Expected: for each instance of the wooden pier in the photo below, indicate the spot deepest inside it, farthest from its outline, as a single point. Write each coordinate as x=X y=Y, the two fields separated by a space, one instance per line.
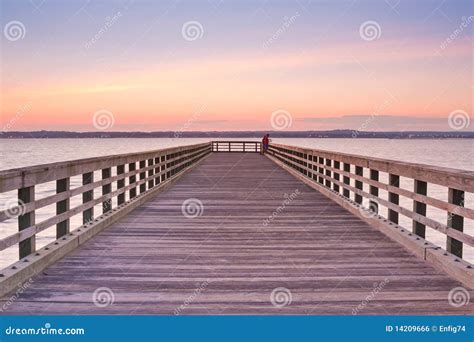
x=199 y=230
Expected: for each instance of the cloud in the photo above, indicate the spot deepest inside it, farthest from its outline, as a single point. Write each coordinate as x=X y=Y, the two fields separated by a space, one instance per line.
x=378 y=123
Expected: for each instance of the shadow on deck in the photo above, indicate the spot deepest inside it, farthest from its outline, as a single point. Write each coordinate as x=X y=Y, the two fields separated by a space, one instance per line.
x=251 y=239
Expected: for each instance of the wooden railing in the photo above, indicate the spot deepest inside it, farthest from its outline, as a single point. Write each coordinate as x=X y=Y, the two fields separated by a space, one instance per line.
x=236 y=146
x=135 y=174
x=343 y=174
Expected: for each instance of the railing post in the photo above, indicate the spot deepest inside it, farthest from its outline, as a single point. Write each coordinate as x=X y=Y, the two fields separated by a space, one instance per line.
x=88 y=214
x=321 y=170
x=346 y=180
x=168 y=166
x=157 y=170
x=328 y=173
x=120 y=184
x=305 y=164
x=373 y=205
x=359 y=171
x=163 y=168
x=132 y=179
x=337 y=165
x=393 y=180
x=455 y=221
x=28 y=245
x=151 y=172
x=142 y=165
x=106 y=189
x=420 y=187
x=62 y=228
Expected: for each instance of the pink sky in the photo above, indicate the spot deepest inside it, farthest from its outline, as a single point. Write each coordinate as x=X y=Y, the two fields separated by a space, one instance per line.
x=210 y=84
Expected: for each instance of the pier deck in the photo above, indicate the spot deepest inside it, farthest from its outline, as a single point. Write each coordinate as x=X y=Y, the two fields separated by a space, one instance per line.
x=258 y=231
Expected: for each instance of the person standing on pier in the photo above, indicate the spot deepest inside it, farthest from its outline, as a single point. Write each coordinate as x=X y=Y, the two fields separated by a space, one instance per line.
x=265 y=142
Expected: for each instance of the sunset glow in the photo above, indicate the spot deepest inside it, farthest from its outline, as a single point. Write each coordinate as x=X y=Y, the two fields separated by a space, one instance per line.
x=251 y=60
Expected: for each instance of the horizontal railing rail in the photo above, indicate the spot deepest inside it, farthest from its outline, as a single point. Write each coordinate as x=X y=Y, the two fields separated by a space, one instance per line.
x=142 y=171
x=344 y=174
x=236 y=146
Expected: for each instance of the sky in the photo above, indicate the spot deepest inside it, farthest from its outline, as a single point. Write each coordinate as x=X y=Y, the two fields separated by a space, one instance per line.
x=87 y=65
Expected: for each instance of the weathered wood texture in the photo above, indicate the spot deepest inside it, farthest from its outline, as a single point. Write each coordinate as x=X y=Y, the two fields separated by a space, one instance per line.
x=24 y=180
x=456 y=183
x=229 y=259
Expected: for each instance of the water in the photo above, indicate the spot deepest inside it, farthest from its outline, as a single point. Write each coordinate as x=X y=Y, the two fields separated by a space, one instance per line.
x=26 y=152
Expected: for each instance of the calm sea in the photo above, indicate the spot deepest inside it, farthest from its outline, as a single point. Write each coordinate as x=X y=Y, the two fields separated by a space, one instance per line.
x=26 y=152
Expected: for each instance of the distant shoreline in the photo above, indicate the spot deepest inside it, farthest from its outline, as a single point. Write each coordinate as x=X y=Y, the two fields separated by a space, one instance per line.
x=240 y=134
